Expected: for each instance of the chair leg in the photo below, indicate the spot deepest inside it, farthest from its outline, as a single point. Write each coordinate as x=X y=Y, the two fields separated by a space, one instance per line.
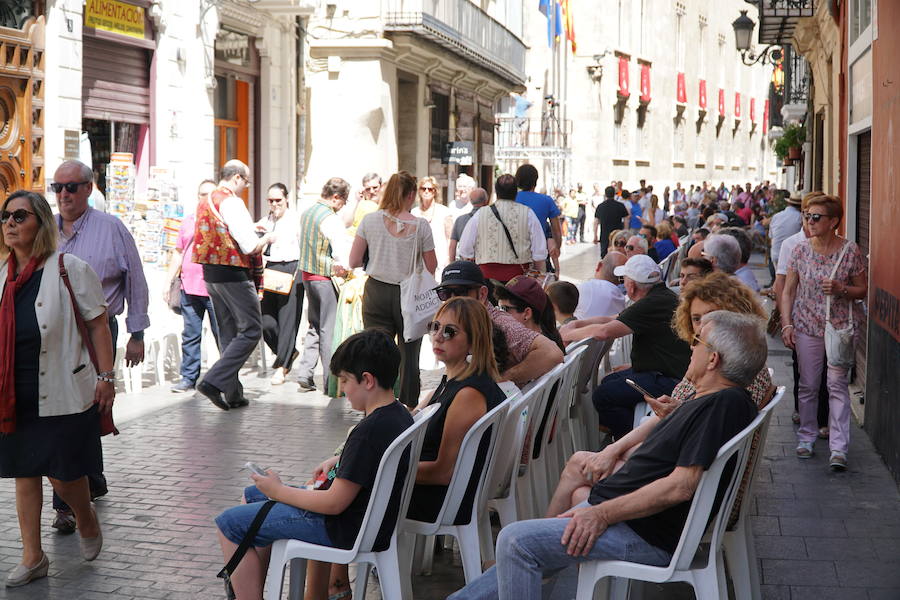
x=362 y=580
x=389 y=576
x=485 y=536
x=709 y=583
x=740 y=556
x=619 y=588
x=298 y=579
x=405 y=547
x=469 y=550
x=275 y=573
x=428 y=543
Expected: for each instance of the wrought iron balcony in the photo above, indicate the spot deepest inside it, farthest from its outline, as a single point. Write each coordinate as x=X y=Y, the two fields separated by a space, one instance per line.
x=778 y=18
x=463 y=28
x=796 y=77
x=519 y=139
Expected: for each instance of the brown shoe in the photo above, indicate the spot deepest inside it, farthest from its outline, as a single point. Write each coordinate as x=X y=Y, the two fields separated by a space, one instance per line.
x=64 y=521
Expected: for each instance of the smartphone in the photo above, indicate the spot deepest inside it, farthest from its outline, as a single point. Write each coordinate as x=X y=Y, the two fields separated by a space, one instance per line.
x=642 y=391
x=255 y=468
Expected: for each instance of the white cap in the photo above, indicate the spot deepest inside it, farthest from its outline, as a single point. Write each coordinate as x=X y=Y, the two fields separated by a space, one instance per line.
x=641 y=269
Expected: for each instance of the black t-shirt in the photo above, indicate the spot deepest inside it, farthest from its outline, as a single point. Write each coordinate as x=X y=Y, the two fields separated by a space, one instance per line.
x=610 y=214
x=359 y=463
x=655 y=346
x=427 y=499
x=459 y=225
x=690 y=436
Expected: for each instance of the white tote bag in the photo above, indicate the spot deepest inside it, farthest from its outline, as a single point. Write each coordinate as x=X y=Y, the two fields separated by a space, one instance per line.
x=418 y=300
x=839 y=347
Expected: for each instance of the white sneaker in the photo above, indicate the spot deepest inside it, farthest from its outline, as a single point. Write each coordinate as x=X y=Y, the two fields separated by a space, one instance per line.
x=278 y=376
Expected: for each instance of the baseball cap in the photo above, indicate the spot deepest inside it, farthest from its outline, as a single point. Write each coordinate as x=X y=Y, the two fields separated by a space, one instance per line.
x=462 y=272
x=526 y=289
x=641 y=269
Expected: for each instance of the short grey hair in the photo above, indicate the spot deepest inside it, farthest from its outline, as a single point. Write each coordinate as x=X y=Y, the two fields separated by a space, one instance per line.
x=743 y=240
x=86 y=173
x=725 y=249
x=369 y=177
x=465 y=180
x=740 y=341
x=478 y=197
x=234 y=167
x=640 y=241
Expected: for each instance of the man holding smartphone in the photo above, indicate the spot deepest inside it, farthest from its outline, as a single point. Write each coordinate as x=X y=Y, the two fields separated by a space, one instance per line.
x=658 y=357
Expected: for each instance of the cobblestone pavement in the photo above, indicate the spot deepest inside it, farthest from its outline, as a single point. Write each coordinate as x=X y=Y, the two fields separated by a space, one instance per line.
x=178 y=463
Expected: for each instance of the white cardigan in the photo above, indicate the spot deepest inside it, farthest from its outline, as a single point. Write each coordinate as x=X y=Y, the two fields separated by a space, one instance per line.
x=62 y=390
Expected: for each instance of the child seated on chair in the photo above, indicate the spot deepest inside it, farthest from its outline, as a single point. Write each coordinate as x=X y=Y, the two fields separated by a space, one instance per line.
x=367 y=364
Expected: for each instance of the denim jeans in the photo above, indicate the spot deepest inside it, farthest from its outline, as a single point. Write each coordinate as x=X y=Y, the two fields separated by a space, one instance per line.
x=192 y=310
x=615 y=400
x=283 y=522
x=528 y=551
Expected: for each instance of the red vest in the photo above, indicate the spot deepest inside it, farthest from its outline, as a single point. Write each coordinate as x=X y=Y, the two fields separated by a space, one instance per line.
x=213 y=245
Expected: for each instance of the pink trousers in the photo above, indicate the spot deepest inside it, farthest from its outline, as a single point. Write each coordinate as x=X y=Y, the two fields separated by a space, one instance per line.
x=811 y=360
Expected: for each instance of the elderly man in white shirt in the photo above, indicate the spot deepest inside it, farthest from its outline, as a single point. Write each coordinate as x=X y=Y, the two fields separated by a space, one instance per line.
x=785 y=224
x=601 y=296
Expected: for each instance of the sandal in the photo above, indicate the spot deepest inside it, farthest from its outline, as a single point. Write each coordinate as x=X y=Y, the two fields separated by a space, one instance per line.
x=341 y=595
x=823 y=432
x=805 y=450
x=838 y=461
x=795 y=418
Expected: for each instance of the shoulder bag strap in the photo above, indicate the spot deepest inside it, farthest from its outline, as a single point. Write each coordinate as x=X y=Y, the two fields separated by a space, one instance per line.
x=242 y=548
x=79 y=320
x=833 y=273
x=505 y=230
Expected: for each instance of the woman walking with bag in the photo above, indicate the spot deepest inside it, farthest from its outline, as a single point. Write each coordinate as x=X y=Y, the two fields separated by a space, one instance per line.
x=814 y=324
x=396 y=242
x=51 y=395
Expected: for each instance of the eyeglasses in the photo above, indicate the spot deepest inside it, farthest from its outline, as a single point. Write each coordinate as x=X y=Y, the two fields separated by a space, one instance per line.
x=629 y=247
x=445 y=293
x=426 y=189
x=372 y=188
x=815 y=217
x=696 y=340
x=70 y=187
x=448 y=332
x=246 y=179
x=508 y=308
x=620 y=244
x=19 y=216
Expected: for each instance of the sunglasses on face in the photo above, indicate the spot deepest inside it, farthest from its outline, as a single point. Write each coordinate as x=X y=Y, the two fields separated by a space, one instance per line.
x=815 y=217
x=276 y=200
x=426 y=189
x=508 y=308
x=619 y=244
x=70 y=187
x=696 y=340
x=19 y=216
x=445 y=293
x=448 y=332
x=629 y=247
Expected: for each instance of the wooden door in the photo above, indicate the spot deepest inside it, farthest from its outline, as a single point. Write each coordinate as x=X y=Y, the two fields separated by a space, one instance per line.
x=15 y=151
x=232 y=124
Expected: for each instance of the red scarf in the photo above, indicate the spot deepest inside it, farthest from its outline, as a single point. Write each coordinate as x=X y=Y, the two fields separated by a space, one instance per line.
x=8 y=340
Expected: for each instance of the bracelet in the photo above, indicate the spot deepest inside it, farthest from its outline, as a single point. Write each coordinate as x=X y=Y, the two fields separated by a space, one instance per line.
x=107 y=374
x=106 y=379
x=785 y=327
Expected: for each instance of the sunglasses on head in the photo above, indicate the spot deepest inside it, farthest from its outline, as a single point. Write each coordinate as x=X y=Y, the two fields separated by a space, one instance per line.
x=70 y=187
x=448 y=332
x=445 y=293
x=815 y=217
x=19 y=215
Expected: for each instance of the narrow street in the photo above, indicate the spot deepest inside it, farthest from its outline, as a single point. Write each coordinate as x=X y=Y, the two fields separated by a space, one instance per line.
x=819 y=534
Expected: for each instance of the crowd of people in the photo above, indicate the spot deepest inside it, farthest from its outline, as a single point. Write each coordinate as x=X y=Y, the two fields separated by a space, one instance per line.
x=697 y=345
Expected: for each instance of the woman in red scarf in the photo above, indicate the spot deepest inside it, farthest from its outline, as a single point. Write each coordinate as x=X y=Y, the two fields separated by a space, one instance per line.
x=51 y=396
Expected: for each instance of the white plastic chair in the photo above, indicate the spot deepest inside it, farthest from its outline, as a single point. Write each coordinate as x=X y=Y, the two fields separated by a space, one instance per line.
x=559 y=444
x=740 y=552
x=483 y=434
x=700 y=566
x=284 y=551
x=537 y=470
x=583 y=421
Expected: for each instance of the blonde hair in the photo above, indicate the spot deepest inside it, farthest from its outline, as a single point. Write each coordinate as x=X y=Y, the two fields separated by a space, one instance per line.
x=45 y=240
x=663 y=231
x=398 y=188
x=722 y=291
x=474 y=319
x=438 y=196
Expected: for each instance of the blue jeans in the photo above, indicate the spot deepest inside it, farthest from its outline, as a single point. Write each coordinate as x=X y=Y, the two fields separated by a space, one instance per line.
x=192 y=310
x=615 y=400
x=283 y=522
x=528 y=551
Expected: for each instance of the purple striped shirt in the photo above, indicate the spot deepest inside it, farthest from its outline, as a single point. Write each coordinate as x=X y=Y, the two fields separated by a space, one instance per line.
x=103 y=242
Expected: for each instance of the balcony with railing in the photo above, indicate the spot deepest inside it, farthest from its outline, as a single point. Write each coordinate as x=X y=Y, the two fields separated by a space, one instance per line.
x=778 y=18
x=521 y=139
x=463 y=28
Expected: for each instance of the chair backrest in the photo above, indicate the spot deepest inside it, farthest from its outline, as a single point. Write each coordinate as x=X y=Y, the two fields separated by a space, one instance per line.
x=552 y=384
x=484 y=433
x=508 y=449
x=403 y=452
x=569 y=390
x=698 y=517
x=588 y=373
x=753 y=458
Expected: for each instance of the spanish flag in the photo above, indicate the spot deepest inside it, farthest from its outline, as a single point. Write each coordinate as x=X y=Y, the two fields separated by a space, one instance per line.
x=568 y=22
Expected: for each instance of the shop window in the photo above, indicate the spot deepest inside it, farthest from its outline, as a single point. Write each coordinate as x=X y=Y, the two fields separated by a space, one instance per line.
x=440 y=124
x=860 y=17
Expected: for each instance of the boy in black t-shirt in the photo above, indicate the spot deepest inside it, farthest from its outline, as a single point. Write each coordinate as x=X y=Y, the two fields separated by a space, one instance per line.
x=366 y=365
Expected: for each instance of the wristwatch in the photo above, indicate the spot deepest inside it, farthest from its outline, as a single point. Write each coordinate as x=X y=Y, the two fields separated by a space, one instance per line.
x=107 y=376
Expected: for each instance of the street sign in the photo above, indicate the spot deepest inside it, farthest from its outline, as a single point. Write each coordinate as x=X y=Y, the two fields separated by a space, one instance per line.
x=71 y=144
x=461 y=153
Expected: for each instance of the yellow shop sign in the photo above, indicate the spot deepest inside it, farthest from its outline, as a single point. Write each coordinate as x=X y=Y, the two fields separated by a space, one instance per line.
x=115 y=16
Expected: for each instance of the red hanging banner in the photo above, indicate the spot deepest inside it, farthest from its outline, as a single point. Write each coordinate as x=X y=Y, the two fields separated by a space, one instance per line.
x=681 y=92
x=737 y=105
x=765 y=123
x=753 y=110
x=701 y=98
x=721 y=102
x=623 y=77
x=645 y=83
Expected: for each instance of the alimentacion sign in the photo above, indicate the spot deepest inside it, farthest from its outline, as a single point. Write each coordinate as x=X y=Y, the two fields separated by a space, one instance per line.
x=114 y=16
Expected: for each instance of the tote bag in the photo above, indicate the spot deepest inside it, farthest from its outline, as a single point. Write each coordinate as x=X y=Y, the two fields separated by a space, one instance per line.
x=839 y=348
x=418 y=300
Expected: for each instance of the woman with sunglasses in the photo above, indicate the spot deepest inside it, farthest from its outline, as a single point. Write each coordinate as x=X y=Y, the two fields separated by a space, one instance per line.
x=281 y=312
x=396 y=242
x=431 y=208
x=51 y=396
x=461 y=336
x=713 y=292
x=803 y=307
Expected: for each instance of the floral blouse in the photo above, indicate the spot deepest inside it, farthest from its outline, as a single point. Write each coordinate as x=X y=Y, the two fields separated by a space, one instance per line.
x=808 y=313
x=758 y=389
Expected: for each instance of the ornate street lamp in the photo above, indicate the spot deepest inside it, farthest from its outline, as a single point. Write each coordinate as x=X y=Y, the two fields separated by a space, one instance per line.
x=743 y=32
